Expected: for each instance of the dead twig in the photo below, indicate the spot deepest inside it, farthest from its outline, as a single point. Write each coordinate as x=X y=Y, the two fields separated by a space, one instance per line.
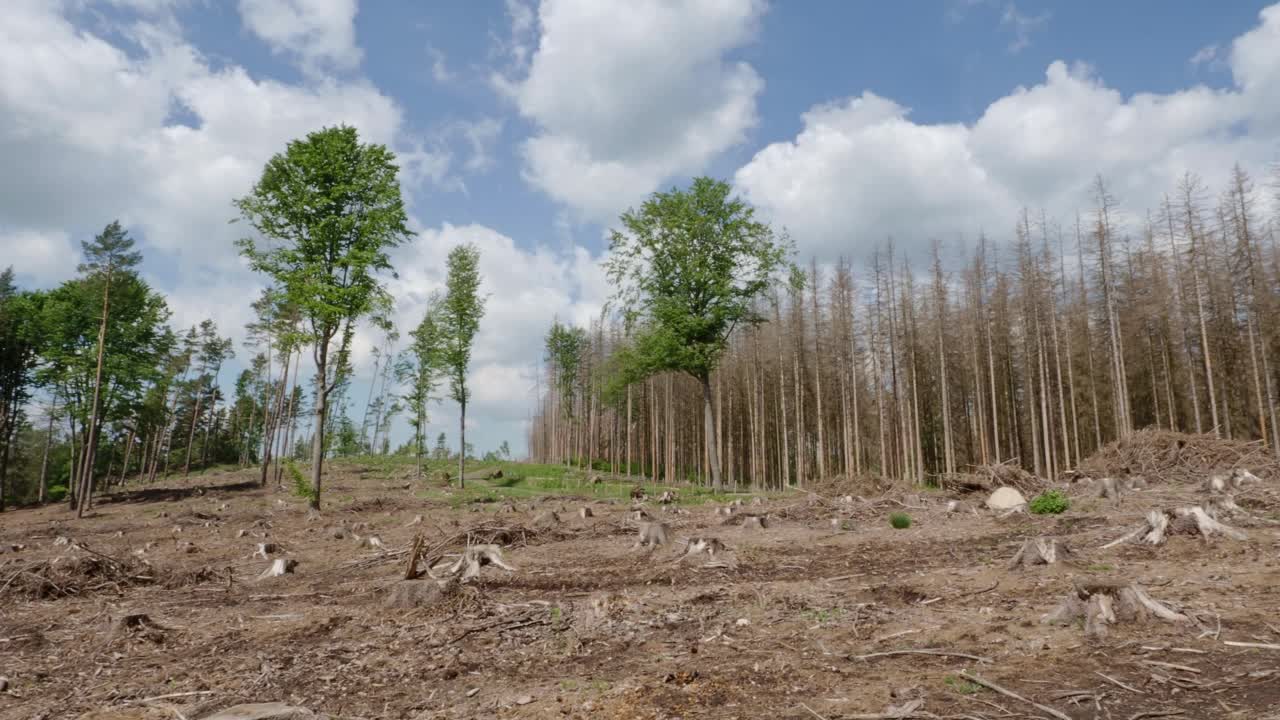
x=1156 y=713
x=1118 y=684
x=1011 y=694
x=1260 y=646
x=921 y=651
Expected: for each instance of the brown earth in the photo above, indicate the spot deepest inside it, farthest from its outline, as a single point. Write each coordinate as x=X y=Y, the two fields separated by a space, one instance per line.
x=587 y=627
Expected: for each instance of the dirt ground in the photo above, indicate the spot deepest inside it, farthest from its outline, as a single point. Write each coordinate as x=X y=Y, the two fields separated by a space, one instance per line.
x=802 y=622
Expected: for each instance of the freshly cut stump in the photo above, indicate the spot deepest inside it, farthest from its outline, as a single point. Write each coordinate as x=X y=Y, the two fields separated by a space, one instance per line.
x=1103 y=603
x=652 y=535
x=472 y=559
x=279 y=566
x=1041 y=551
x=421 y=593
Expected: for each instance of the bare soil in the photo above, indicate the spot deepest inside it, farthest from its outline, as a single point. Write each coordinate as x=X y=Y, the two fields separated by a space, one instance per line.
x=797 y=620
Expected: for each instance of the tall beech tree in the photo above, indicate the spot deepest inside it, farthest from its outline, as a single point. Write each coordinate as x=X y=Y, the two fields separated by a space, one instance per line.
x=689 y=267
x=460 y=315
x=330 y=209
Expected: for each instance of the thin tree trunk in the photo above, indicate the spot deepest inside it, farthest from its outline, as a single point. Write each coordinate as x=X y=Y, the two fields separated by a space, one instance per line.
x=709 y=427
x=86 y=481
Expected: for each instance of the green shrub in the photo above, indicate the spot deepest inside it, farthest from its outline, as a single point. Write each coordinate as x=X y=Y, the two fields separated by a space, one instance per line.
x=900 y=521
x=1050 y=502
x=301 y=486
x=56 y=493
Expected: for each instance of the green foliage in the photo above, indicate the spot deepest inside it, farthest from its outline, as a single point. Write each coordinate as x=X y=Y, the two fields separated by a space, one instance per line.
x=461 y=311
x=900 y=520
x=1049 y=502
x=565 y=348
x=330 y=209
x=56 y=493
x=301 y=486
x=689 y=268
x=961 y=685
x=422 y=369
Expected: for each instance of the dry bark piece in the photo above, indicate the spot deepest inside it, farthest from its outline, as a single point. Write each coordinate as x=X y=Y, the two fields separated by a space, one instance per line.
x=265 y=550
x=1104 y=603
x=652 y=535
x=374 y=542
x=417 y=520
x=472 y=559
x=421 y=593
x=1041 y=551
x=278 y=567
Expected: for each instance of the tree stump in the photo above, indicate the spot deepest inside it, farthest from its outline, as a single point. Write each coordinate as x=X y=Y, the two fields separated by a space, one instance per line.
x=584 y=513
x=421 y=593
x=652 y=535
x=278 y=567
x=471 y=560
x=1104 y=603
x=1040 y=551
x=1195 y=520
x=756 y=522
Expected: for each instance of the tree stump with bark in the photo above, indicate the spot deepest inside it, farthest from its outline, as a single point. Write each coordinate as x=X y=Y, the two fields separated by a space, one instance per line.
x=1104 y=603
x=1041 y=551
x=468 y=564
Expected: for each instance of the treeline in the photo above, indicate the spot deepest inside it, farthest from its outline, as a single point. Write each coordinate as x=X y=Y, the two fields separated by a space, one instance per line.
x=96 y=387
x=1035 y=351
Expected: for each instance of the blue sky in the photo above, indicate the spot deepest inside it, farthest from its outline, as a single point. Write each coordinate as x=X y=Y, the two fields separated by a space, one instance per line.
x=526 y=127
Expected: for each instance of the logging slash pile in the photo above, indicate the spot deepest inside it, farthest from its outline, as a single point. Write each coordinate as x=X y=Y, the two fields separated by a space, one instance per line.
x=1165 y=456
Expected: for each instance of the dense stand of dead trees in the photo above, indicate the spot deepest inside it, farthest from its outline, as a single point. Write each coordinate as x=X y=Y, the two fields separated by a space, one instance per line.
x=1036 y=353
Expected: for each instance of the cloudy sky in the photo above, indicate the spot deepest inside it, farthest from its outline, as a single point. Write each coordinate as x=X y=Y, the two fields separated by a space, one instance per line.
x=527 y=127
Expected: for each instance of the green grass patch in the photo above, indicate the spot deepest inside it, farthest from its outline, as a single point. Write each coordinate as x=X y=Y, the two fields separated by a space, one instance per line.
x=1049 y=502
x=900 y=521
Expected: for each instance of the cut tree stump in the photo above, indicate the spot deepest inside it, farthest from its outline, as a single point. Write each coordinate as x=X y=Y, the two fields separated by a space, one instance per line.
x=278 y=567
x=265 y=550
x=1041 y=551
x=756 y=522
x=421 y=593
x=1110 y=489
x=652 y=535
x=546 y=520
x=667 y=497
x=1195 y=520
x=712 y=547
x=374 y=542
x=585 y=513
x=1104 y=603
x=471 y=560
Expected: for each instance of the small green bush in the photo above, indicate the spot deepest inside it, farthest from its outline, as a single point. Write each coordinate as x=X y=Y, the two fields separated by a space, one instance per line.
x=1050 y=502
x=56 y=493
x=301 y=486
x=900 y=521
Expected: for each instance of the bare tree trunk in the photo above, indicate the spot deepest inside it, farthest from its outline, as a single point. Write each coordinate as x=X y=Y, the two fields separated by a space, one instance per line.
x=44 y=459
x=709 y=427
x=86 y=480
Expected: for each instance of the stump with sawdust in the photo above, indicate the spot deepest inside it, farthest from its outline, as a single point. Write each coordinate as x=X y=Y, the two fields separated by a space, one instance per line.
x=1159 y=524
x=1104 y=603
x=468 y=564
x=1041 y=551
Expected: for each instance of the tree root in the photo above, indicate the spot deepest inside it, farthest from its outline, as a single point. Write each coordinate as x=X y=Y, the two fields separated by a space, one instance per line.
x=1102 y=604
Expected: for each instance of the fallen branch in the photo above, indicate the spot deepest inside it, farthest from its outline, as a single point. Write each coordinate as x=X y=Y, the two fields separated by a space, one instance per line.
x=1118 y=684
x=1260 y=646
x=1011 y=694
x=921 y=651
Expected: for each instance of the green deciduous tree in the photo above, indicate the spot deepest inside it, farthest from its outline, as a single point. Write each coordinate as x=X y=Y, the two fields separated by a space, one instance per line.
x=421 y=370
x=20 y=340
x=689 y=267
x=331 y=207
x=460 y=314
